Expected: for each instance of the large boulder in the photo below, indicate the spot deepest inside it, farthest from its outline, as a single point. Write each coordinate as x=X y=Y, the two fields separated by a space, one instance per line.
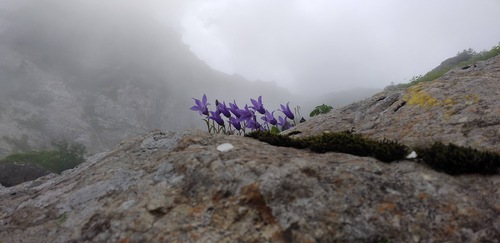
x=172 y=187
x=461 y=107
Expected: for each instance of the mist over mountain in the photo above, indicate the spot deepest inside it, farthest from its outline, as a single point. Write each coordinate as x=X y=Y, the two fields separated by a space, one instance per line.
x=98 y=72
x=98 y=75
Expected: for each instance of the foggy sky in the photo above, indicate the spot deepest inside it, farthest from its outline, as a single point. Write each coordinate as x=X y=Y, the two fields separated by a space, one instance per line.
x=321 y=46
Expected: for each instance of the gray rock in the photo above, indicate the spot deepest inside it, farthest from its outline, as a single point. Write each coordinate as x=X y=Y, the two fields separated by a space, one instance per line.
x=462 y=107
x=189 y=191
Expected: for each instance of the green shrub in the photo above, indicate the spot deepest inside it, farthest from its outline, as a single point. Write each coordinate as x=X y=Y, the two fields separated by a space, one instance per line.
x=455 y=160
x=61 y=157
x=321 y=109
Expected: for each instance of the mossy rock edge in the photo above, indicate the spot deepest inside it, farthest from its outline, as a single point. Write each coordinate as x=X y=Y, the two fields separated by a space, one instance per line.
x=450 y=159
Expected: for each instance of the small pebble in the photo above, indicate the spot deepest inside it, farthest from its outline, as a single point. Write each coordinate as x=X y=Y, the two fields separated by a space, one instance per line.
x=412 y=155
x=225 y=147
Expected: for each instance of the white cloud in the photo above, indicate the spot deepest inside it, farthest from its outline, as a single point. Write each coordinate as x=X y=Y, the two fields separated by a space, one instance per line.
x=312 y=45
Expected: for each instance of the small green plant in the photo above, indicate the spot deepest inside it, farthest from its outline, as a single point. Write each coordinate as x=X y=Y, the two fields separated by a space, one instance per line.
x=61 y=157
x=456 y=160
x=320 y=109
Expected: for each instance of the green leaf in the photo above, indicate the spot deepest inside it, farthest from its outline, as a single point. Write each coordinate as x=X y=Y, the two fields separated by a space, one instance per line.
x=321 y=109
x=275 y=130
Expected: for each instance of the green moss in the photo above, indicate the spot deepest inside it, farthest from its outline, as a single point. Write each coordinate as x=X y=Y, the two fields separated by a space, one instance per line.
x=277 y=139
x=61 y=219
x=450 y=159
x=456 y=160
x=341 y=142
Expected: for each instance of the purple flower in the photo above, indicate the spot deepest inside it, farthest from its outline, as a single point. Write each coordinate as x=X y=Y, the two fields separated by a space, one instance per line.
x=235 y=122
x=269 y=118
x=283 y=123
x=286 y=110
x=216 y=117
x=245 y=114
x=201 y=106
x=222 y=108
x=234 y=109
x=253 y=124
x=258 y=106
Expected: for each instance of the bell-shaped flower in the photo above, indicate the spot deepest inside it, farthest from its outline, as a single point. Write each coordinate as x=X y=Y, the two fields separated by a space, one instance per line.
x=235 y=122
x=269 y=118
x=253 y=124
x=217 y=118
x=234 y=109
x=245 y=114
x=201 y=106
x=283 y=123
x=286 y=110
x=222 y=108
x=258 y=106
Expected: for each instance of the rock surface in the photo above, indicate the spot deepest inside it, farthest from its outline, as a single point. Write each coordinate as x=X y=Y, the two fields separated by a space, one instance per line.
x=461 y=107
x=177 y=187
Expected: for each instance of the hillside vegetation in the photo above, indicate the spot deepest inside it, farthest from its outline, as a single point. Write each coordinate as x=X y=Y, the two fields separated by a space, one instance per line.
x=463 y=59
x=61 y=157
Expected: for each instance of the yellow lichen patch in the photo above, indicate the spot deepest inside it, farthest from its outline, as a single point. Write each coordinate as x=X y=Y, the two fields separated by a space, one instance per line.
x=448 y=114
x=416 y=96
x=449 y=101
x=474 y=98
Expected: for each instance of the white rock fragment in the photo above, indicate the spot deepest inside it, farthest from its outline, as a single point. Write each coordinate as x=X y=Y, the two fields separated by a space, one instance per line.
x=412 y=155
x=225 y=147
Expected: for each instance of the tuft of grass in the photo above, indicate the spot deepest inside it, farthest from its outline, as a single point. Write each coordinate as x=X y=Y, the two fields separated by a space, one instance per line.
x=456 y=160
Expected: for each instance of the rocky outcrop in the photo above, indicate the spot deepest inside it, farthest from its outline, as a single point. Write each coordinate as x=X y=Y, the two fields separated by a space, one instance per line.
x=170 y=187
x=461 y=107
x=12 y=174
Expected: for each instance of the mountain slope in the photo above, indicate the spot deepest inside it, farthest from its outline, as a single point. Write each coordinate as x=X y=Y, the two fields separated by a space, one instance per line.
x=92 y=74
x=461 y=107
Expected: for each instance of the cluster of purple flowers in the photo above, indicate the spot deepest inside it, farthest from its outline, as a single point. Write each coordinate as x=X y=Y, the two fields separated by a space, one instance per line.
x=239 y=119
